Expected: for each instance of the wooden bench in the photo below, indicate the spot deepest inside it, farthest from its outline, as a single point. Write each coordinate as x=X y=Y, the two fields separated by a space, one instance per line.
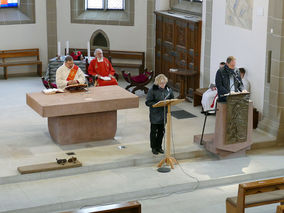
x=138 y=58
x=7 y=54
x=197 y=97
x=129 y=207
x=256 y=194
x=280 y=209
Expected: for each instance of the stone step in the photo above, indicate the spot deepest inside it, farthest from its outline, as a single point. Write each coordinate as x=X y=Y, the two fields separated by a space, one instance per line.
x=100 y=166
x=133 y=183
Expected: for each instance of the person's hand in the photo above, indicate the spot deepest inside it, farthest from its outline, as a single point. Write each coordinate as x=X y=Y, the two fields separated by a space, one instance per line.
x=71 y=82
x=110 y=75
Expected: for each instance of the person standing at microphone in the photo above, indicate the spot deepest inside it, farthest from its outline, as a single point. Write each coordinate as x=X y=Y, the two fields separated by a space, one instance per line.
x=228 y=79
x=158 y=92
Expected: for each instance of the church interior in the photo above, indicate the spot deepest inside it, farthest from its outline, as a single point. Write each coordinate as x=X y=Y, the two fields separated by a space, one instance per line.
x=88 y=149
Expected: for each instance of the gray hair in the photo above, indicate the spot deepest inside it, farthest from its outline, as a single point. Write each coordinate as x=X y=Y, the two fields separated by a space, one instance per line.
x=98 y=50
x=68 y=58
x=159 y=78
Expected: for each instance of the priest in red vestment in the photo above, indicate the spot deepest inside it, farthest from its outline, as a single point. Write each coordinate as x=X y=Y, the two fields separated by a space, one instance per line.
x=102 y=69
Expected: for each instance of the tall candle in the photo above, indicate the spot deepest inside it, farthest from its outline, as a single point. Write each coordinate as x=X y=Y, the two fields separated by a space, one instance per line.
x=89 y=50
x=67 y=47
x=58 y=48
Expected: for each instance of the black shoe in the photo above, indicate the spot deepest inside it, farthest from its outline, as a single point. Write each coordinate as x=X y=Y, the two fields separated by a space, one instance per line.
x=161 y=151
x=155 y=152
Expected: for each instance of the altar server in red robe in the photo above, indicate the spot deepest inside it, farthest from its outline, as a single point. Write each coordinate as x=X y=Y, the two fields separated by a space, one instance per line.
x=102 y=69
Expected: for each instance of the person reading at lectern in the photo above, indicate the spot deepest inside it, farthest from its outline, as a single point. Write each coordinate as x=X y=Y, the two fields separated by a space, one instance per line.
x=158 y=92
x=69 y=74
x=101 y=68
x=228 y=79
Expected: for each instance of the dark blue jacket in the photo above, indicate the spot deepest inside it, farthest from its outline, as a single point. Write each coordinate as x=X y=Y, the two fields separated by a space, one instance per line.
x=222 y=81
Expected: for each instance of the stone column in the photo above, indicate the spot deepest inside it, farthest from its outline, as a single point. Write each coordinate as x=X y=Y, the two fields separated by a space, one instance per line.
x=51 y=19
x=207 y=43
x=150 y=53
x=273 y=118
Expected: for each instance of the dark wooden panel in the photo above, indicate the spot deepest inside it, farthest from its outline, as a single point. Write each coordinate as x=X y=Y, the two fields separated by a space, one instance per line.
x=178 y=45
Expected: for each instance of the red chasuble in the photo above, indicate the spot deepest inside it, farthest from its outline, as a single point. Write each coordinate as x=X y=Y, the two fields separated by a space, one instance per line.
x=103 y=69
x=72 y=73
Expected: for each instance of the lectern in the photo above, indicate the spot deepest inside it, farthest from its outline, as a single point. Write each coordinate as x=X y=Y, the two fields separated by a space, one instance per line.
x=168 y=103
x=233 y=127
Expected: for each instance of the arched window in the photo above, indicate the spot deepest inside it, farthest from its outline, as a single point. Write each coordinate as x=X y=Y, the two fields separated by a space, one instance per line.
x=99 y=39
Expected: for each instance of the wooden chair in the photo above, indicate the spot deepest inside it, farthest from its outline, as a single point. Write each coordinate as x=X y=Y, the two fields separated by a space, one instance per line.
x=48 y=84
x=139 y=82
x=129 y=207
x=256 y=194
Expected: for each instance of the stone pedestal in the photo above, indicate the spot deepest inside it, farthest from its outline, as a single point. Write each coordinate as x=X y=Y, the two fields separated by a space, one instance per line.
x=82 y=116
x=83 y=128
x=220 y=142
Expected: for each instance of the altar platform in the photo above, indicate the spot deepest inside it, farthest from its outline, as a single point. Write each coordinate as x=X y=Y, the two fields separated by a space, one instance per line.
x=25 y=140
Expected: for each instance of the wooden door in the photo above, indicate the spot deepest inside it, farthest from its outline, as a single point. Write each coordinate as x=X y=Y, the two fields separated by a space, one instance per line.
x=168 y=52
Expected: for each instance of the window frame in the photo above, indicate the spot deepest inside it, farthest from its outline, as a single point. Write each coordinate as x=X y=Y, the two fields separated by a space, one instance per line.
x=18 y=6
x=105 y=6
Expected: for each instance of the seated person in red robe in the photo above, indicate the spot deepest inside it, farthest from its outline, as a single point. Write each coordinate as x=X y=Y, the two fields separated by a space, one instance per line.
x=102 y=69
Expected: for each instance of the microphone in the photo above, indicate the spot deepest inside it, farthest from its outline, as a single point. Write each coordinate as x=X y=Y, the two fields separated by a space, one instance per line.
x=168 y=93
x=236 y=78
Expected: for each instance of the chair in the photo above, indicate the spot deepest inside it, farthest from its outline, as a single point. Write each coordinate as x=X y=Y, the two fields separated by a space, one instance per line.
x=48 y=84
x=139 y=82
x=45 y=83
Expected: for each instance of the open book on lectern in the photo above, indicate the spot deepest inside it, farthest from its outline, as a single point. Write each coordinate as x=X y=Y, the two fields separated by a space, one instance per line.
x=171 y=102
x=236 y=93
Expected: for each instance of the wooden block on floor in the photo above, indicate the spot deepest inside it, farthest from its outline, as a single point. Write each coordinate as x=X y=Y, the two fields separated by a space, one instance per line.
x=47 y=167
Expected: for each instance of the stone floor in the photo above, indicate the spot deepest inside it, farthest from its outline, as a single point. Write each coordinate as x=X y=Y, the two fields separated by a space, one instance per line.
x=111 y=174
x=193 y=186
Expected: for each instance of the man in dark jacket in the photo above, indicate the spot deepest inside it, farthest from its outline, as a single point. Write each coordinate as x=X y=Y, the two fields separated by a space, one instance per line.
x=228 y=80
x=159 y=91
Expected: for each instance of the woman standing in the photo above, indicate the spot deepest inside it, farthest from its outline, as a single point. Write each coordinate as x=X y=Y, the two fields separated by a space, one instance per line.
x=158 y=92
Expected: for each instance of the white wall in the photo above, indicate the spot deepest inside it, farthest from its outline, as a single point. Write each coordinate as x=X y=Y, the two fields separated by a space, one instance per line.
x=120 y=37
x=162 y=5
x=23 y=36
x=248 y=46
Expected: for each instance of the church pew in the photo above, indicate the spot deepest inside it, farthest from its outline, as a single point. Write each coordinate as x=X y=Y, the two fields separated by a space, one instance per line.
x=256 y=194
x=138 y=58
x=129 y=207
x=20 y=53
x=280 y=209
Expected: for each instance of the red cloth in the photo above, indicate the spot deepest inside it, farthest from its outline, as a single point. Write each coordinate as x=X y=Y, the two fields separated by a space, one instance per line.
x=103 y=69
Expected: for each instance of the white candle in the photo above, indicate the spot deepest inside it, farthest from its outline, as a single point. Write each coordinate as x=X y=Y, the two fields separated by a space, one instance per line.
x=89 y=50
x=58 y=48
x=67 y=47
